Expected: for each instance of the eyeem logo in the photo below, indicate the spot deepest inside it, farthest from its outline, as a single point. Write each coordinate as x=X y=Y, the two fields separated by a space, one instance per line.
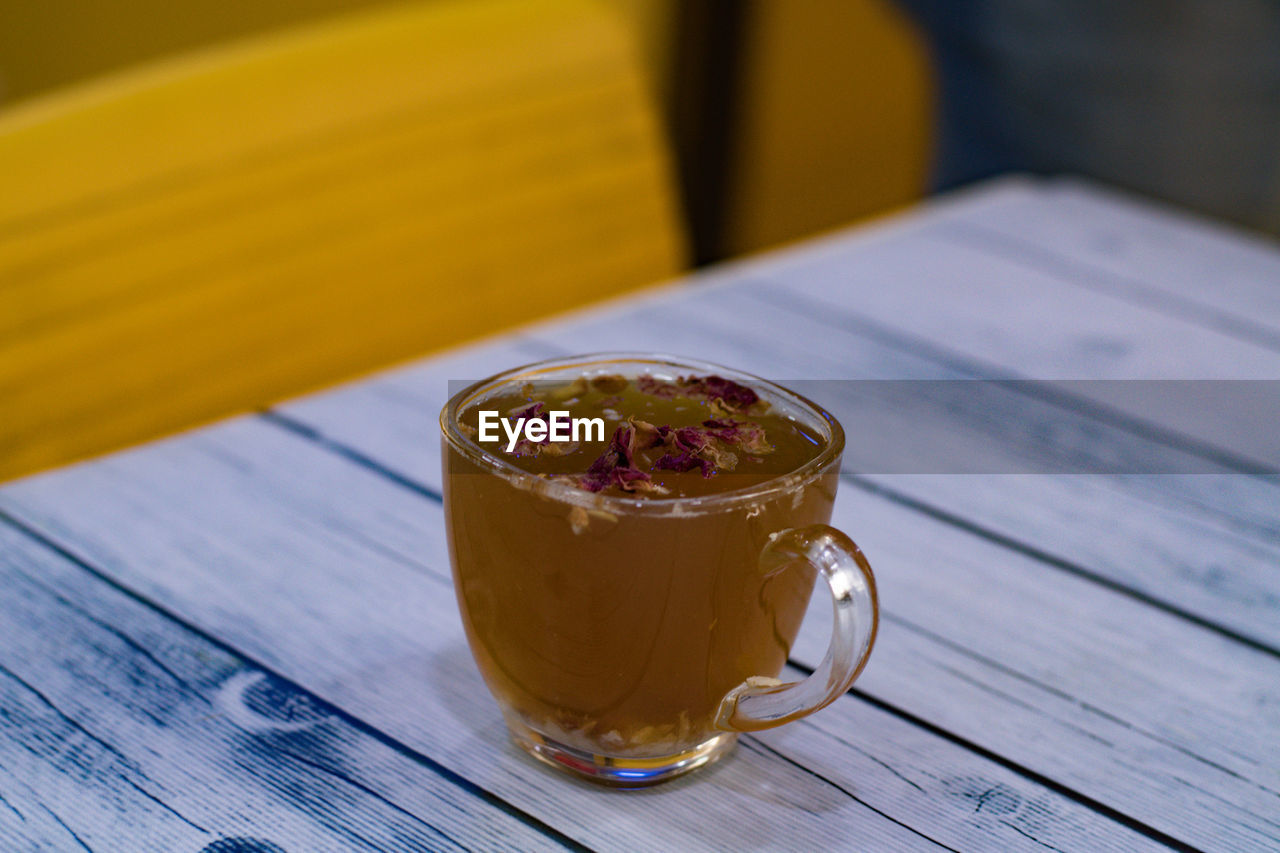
x=553 y=426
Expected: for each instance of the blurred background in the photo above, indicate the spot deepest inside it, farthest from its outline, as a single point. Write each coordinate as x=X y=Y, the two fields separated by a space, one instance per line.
x=207 y=207
x=786 y=116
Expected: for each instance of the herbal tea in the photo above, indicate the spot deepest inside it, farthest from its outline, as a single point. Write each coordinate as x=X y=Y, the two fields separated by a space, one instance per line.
x=610 y=599
x=647 y=437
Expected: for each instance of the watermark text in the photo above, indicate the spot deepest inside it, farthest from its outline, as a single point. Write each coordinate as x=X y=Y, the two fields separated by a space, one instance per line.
x=553 y=426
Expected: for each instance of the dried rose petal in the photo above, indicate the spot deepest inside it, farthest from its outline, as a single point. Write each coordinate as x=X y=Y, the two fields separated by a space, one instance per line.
x=628 y=478
x=719 y=409
x=616 y=466
x=573 y=390
x=528 y=412
x=592 y=482
x=656 y=387
x=647 y=485
x=532 y=410
x=525 y=447
x=723 y=459
x=620 y=452
x=610 y=384
x=692 y=438
x=578 y=519
x=691 y=447
x=685 y=462
x=705 y=448
x=732 y=394
x=749 y=436
x=646 y=433
x=563 y=448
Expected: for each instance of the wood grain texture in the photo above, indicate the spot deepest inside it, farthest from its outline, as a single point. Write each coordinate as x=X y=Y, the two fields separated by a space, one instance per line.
x=1204 y=545
x=1081 y=662
x=121 y=729
x=205 y=236
x=1116 y=699
x=1203 y=548
x=962 y=302
x=334 y=575
x=1166 y=260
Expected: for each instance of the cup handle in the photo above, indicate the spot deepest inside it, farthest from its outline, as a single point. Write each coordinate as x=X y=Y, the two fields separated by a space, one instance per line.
x=762 y=703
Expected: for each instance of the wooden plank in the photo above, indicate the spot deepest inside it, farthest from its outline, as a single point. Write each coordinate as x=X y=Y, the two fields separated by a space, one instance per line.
x=940 y=678
x=1152 y=255
x=1210 y=591
x=1204 y=545
x=123 y=729
x=1137 y=744
x=965 y=303
x=1228 y=589
x=1164 y=721
x=329 y=573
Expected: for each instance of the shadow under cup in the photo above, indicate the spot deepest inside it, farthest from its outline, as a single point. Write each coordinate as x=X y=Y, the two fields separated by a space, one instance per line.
x=626 y=639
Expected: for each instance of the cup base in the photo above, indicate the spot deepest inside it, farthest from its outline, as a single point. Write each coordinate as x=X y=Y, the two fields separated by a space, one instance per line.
x=618 y=771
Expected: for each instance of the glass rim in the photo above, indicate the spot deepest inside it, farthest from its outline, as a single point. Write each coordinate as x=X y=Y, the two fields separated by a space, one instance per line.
x=493 y=463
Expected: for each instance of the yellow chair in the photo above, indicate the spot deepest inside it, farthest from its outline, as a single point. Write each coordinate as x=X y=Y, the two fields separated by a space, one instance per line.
x=211 y=234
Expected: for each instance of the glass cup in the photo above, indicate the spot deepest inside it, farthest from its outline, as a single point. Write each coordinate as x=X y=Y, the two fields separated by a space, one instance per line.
x=630 y=640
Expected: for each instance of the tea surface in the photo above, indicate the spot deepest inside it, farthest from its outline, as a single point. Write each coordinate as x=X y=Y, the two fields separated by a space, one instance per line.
x=685 y=437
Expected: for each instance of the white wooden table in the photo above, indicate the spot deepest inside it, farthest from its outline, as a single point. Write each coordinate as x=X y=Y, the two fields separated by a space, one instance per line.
x=244 y=638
